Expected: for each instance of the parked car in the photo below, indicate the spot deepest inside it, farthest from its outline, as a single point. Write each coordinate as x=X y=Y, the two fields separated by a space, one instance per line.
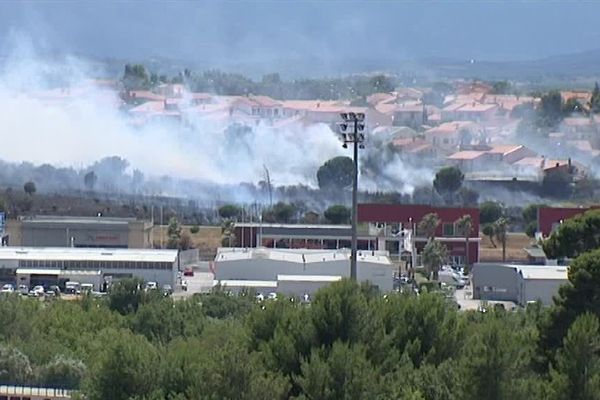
x=86 y=288
x=272 y=296
x=167 y=290
x=151 y=286
x=8 y=288
x=37 y=291
x=184 y=285
x=55 y=289
x=260 y=296
x=188 y=271
x=24 y=290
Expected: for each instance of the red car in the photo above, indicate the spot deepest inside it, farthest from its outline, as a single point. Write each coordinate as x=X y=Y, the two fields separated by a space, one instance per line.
x=189 y=271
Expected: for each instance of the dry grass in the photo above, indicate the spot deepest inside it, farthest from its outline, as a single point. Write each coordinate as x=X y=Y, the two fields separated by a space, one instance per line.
x=207 y=239
x=514 y=248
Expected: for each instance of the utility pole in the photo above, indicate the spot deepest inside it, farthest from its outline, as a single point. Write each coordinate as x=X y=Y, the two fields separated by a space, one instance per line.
x=352 y=130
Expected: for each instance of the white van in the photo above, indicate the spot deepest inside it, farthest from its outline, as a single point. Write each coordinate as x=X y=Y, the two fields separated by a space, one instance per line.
x=72 y=287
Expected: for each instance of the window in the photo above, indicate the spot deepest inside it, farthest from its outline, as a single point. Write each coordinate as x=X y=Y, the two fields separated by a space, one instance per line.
x=448 y=229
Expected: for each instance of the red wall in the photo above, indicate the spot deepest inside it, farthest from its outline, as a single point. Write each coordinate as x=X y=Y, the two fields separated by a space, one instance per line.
x=547 y=216
x=402 y=212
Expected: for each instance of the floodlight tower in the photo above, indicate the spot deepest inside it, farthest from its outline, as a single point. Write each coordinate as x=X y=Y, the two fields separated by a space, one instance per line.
x=352 y=130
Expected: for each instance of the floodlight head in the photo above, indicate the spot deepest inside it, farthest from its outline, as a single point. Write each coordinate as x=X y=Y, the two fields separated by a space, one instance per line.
x=361 y=146
x=343 y=127
x=360 y=126
x=345 y=145
x=344 y=116
x=351 y=116
x=360 y=116
x=361 y=137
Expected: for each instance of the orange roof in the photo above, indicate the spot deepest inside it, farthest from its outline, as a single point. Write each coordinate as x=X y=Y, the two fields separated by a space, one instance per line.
x=466 y=155
x=450 y=127
x=505 y=148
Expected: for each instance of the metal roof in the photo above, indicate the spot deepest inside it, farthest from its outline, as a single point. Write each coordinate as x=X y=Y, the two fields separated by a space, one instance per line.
x=246 y=283
x=543 y=272
x=52 y=271
x=87 y=254
x=43 y=219
x=308 y=278
x=536 y=252
x=301 y=256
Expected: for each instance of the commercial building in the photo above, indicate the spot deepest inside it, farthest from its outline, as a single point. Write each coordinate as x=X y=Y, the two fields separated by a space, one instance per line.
x=10 y=392
x=382 y=227
x=299 y=236
x=53 y=231
x=387 y=222
x=55 y=265
x=288 y=265
x=550 y=218
x=518 y=283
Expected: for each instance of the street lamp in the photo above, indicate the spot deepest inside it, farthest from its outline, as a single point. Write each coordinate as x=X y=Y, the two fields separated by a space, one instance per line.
x=352 y=130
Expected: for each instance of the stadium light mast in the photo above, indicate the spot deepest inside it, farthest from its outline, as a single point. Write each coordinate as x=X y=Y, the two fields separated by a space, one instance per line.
x=352 y=130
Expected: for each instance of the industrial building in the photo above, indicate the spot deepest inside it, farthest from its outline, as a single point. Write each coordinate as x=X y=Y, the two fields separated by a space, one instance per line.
x=99 y=232
x=550 y=218
x=55 y=266
x=265 y=264
x=518 y=283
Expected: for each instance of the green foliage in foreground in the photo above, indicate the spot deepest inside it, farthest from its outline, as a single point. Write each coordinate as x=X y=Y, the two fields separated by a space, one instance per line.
x=349 y=343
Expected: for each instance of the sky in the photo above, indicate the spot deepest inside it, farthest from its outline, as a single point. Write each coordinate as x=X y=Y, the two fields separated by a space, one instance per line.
x=316 y=33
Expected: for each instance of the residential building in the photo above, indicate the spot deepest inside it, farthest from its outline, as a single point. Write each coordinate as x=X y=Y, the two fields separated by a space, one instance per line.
x=470 y=111
x=449 y=136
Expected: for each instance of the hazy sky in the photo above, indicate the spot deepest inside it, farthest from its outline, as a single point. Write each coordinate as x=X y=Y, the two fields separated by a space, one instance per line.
x=240 y=32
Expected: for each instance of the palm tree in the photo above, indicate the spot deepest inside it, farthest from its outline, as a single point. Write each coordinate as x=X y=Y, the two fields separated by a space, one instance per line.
x=464 y=226
x=429 y=224
x=501 y=233
x=433 y=257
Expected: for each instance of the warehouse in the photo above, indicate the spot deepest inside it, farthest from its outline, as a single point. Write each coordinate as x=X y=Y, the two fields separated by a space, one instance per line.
x=263 y=264
x=518 y=283
x=52 y=231
x=55 y=265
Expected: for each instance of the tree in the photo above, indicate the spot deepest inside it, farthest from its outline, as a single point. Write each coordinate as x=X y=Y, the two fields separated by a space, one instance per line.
x=428 y=225
x=135 y=77
x=464 y=226
x=595 y=99
x=281 y=212
x=29 y=188
x=501 y=234
x=576 y=374
x=90 y=179
x=488 y=230
x=338 y=214
x=572 y=105
x=550 y=110
x=468 y=197
x=490 y=211
x=126 y=295
x=174 y=233
x=531 y=229
x=434 y=255
x=574 y=236
x=336 y=174
x=127 y=367
x=63 y=372
x=381 y=83
x=501 y=87
x=447 y=182
x=14 y=366
x=581 y=295
x=229 y=211
x=557 y=183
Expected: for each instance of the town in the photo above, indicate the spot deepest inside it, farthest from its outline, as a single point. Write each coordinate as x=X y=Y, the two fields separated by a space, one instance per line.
x=287 y=217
